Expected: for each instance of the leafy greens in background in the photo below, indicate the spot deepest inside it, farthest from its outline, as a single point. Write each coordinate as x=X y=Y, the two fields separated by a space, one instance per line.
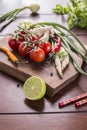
x=77 y=13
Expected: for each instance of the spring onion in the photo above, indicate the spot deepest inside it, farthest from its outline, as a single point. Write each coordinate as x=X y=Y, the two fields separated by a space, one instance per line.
x=10 y=16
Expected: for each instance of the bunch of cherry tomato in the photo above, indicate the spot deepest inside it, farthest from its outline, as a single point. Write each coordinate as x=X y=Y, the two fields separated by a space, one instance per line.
x=30 y=46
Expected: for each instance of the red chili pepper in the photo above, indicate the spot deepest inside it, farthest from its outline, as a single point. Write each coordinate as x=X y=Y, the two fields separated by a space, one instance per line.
x=58 y=44
x=34 y=38
x=56 y=49
x=23 y=32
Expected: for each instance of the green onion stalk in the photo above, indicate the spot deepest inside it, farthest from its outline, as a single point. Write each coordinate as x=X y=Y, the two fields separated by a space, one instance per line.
x=69 y=43
x=10 y=16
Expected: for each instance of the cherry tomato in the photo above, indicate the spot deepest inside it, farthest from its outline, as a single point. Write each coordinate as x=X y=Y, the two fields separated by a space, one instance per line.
x=37 y=55
x=24 y=50
x=13 y=43
x=47 y=47
x=34 y=38
x=20 y=39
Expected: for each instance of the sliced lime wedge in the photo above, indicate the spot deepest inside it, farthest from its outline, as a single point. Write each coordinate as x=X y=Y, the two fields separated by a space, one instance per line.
x=34 y=88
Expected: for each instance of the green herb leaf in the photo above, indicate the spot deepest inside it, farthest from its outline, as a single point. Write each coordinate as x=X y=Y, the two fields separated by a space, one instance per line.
x=77 y=14
x=61 y=55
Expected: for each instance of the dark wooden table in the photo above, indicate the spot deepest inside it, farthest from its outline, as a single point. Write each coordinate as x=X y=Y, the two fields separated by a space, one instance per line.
x=17 y=113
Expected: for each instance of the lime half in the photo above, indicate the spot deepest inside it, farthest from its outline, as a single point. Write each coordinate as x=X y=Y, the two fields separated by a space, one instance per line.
x=34 y=88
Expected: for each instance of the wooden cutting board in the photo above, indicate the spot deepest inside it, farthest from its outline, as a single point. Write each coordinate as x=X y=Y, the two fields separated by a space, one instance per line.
x=47 y=72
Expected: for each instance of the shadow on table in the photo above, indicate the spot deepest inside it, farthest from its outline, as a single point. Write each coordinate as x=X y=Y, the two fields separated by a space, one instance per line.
x=35 y=105
x=66 y=91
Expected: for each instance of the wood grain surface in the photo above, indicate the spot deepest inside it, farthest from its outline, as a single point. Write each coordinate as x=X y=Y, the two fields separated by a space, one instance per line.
x=48 y=121
x=43 y=70
x=16 y=112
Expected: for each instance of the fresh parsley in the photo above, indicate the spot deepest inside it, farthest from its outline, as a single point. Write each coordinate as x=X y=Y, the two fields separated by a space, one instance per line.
x=77 y=13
